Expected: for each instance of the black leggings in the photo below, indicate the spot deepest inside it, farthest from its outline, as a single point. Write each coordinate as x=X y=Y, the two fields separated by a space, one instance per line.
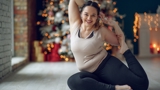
x=112 y=72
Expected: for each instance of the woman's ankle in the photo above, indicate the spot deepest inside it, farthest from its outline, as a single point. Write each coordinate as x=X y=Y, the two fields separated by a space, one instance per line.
x=122 y=87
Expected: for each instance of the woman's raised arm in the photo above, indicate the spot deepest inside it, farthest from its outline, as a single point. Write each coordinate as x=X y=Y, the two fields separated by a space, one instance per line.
x=73 y=9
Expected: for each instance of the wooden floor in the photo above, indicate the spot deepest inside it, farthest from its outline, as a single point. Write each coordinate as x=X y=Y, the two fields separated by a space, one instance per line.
x=53 y=76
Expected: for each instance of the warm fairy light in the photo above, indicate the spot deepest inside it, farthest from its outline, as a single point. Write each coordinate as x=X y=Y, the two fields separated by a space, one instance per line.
x=41 y=42
x=49 y=49
x=51 y=3
x=42 y=15
x=136 y=26
x=99 y=5
x=151 y=21
x=135 y=40
x=121 y=17
x=60 y=2
x=157 y=15
x=156 y=19
x=46 y=34
x=157 y=24
x=114 y=3
x=105 y=44
x=45 y=52
x=56 y=35
x=108 y=1
x=48 y=45
x=66 y=59
x=62 y=21
x=108 y=48
x=62 y=56
x=119 y=47
x=49 y=23
x=115 y=10
x=157 y=49
x=60 y=42
x=52 y=46
x=50 y=18
x=38 y=23
x=154 y=45
x=156 y=29
x=44 y=11
x=150 y=28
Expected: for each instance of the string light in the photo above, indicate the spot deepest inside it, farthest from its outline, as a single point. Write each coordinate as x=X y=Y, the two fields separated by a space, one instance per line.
x=150 y=20
x=153 y=25
x=136 y=26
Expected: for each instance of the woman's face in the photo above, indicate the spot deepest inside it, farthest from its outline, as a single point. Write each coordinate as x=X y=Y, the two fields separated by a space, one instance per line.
x=89 y=16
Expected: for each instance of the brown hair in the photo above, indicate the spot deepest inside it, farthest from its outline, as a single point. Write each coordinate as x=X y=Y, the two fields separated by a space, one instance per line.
x=96 y=6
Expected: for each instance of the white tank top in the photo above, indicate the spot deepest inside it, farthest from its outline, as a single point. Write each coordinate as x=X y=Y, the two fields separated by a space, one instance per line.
x=88 y=53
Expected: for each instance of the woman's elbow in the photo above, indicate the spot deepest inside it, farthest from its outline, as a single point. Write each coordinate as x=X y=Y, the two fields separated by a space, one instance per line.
x=115 y=43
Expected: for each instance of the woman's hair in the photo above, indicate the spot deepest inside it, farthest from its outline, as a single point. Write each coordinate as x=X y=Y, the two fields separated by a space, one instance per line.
x=93 y=4
x=96 y=6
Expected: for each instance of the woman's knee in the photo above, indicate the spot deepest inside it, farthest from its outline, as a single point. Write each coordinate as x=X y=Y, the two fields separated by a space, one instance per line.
x=145 y=84
x=75 y=81
x=79 y=80
x=141 y=84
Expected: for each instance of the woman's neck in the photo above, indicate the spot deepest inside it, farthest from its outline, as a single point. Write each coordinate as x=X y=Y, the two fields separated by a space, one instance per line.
x=84 y=28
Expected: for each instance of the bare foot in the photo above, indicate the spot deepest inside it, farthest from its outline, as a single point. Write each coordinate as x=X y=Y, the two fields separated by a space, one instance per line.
x=123 y=87
x=123 y=45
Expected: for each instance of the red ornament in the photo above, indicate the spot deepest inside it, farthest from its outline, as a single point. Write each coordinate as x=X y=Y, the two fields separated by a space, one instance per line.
x=54 y=55
x=54 y=28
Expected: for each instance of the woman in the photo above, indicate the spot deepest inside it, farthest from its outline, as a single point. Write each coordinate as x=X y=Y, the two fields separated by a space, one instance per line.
x=98 y=69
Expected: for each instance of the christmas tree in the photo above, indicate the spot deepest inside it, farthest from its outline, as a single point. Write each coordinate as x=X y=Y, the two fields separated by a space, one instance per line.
x=54 y=27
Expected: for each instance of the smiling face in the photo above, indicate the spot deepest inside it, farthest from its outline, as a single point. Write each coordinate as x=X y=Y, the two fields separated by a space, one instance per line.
x=89 y=16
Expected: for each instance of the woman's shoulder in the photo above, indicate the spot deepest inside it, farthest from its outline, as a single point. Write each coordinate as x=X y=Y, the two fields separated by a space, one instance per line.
x=103 y=29
x=75 y=26
x=100 y=30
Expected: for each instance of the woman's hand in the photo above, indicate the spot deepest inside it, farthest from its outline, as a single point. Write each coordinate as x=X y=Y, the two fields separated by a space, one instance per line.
x=107 y=21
